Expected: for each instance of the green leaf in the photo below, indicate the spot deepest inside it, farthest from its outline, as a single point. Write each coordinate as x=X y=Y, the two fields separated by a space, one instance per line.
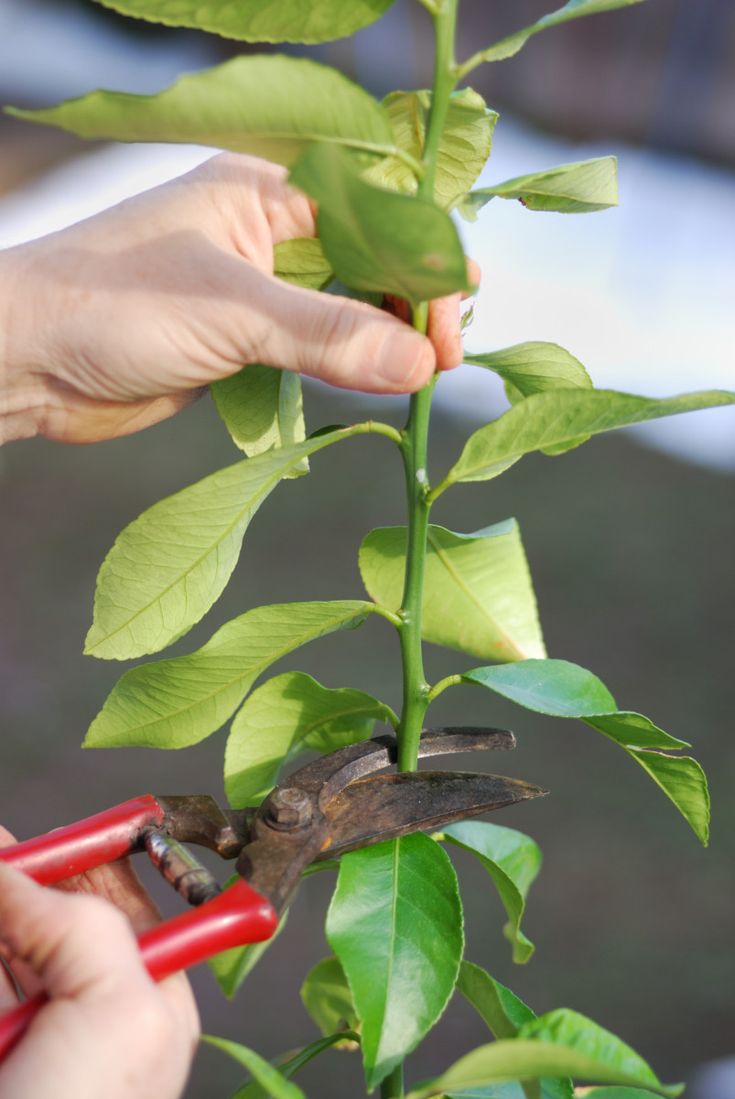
x=504 y=1013
x=168 y=567
x=528 y=368
x=561 y=416
x=178 y=702
x=463 y=150
x=395 y=923
x=290 y=1063
x=573 y=9
x=478 y=594
x=581 y=188
x=231 y=967
x=562 y=689
x=327 y=998
x=259 y=20
x=377 y=239
x=618 y=1093
x=512 y=860
x=562 y=1043
x=286 y=716
x=271 y=106
x=269 y=1078
x=302 y=262
x=262 y=408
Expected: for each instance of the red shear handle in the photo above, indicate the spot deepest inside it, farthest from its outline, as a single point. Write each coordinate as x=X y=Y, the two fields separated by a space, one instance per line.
x=88 y=843
x=234 y=918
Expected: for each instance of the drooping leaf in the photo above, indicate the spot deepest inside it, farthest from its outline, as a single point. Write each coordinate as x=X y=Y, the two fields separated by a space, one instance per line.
x=561 y=416
x=376 y=239
x=178 y=702
x=581 y=188
x=168 y=567
x=504 y=1014
x=395 y=923
x=290 y=1063
x=259 y=20
x=269 y=105
x=573 y=9
x=231 y=967
x=478 y=594
x=261 y=406
x=528 y=368
x=562 y=689
x=561 y=1043
x=288 y=714
x=513 y=861
x=270 y=1079
x=327 y=998
x=464 y=147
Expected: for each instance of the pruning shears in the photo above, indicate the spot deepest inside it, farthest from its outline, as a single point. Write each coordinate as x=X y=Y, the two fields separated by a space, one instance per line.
x=336 y=804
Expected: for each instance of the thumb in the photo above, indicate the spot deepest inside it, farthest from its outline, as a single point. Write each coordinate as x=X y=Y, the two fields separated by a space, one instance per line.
x=344 y=342
x=67 y=940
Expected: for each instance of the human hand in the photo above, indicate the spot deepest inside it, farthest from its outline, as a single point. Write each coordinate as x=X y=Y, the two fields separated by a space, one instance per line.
x=117 y=322
x=107 y=1029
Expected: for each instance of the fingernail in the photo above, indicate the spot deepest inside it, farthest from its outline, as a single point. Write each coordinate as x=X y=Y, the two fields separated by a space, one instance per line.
x=404 y=358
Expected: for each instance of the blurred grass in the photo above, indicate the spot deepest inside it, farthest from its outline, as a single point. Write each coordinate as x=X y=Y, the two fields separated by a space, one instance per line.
x=632 y=556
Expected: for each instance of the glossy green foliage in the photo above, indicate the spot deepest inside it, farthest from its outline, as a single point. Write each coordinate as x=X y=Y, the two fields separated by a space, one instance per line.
x=259 y=20
x=561 y=416
x=289 y=1064
x=465 y=143
x=261 y=406
x=478 y=594
x=573 y=9
x=286 y=716
x=561 y=689
x=231 y=967
x=376 y=239
x=528 y=368
x=561 y=1043
x=271 y=1081
x=177 y=702
x=581 y=188
x=505 y=1014
x=395 y=923
x=327 y=998
x=170 y=565
x=512 y=860
x=271 y=106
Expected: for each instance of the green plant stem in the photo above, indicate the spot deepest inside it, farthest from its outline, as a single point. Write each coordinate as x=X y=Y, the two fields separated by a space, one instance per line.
x=392 y=1086
x=415 y=687
x=448 y=681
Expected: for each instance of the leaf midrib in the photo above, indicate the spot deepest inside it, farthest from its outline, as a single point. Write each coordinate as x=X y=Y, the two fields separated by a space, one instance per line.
x=470 y=595
x=265 y=488
x=254 y=671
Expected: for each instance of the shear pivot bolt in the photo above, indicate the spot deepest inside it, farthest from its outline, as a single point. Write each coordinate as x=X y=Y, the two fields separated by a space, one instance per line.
x=289 y=809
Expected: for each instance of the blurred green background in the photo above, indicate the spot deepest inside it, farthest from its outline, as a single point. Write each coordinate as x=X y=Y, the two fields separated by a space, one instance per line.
x=632 y=554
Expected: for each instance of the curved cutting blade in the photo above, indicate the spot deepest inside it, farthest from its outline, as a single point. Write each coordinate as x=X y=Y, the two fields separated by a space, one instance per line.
x=385 y=806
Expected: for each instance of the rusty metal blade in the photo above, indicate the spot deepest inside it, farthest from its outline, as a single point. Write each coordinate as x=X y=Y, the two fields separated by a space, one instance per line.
x=384 y=806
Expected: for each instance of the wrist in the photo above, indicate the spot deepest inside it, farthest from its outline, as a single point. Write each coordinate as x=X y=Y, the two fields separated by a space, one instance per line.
x=23 y=383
